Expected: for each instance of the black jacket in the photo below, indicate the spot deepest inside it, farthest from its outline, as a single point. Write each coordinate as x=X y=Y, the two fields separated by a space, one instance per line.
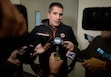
x=9 y=44
x=63 y=31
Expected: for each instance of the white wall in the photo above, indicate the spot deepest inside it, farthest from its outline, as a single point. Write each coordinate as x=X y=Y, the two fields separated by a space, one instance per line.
x=15 y=1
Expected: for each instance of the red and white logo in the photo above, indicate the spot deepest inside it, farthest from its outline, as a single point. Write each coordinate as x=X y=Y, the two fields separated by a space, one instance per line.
x=62 y=35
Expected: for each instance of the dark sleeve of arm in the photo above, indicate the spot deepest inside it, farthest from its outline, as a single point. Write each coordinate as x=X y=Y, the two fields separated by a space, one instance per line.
x=108 y=66
x=72 y=37
x=8 y=69
x=80 y=54
x=14 y=42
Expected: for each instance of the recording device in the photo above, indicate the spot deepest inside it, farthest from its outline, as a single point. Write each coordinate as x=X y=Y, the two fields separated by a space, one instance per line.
x=57 y=42
x=102 y=52
x=88 y=37
x=24 y=54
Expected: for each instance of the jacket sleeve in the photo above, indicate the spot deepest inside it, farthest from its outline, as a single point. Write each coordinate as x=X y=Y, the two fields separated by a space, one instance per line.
x=108 y=68
x=72 y=37
x=8 y=69
x=79 y=54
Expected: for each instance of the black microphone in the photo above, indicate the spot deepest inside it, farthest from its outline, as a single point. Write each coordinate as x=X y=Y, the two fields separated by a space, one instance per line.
x=57 y=42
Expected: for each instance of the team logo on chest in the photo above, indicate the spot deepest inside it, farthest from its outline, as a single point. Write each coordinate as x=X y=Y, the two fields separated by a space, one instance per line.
x=62 y=35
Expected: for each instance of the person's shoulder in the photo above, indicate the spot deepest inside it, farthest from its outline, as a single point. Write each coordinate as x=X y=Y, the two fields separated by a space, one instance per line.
x=98 y=37
x=66 y=25
x=38 y=26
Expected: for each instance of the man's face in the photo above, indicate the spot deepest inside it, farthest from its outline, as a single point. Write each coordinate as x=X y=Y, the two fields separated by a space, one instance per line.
x=55 y=16
x=106 y=34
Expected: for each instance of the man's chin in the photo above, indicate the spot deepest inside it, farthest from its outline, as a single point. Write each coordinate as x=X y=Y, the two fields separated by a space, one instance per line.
x=56 y=25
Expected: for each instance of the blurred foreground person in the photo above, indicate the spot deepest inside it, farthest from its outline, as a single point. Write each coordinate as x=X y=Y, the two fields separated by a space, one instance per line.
x=12 y=28
x=96 y=64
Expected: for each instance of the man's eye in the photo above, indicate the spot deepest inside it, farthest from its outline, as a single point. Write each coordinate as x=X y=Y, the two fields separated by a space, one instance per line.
x=55 y=13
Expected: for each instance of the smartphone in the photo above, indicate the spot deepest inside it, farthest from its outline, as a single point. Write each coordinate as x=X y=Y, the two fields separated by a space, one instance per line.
x=88 y=37
x=106 y=55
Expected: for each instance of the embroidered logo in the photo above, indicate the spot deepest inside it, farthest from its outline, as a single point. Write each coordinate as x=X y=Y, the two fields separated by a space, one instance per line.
x=62 y=35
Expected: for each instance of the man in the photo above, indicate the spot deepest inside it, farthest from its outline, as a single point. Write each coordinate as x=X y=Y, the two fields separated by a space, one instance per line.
x=96 y=64
x=55 y=28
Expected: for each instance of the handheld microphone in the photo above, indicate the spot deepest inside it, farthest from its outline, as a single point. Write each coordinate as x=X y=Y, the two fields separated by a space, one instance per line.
x=57 y=42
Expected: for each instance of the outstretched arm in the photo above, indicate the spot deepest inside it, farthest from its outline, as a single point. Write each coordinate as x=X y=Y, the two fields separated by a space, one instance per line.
x=55 y=65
